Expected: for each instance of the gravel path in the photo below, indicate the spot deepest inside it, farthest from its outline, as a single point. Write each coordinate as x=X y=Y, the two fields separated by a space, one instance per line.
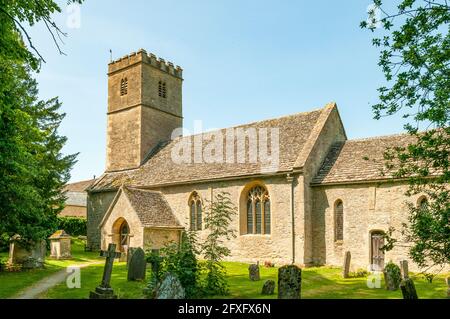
x=45 y=284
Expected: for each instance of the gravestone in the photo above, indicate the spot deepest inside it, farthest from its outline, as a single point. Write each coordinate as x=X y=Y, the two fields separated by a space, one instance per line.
x=408 y=289
x=170 y=288
x=447 y=280
x=404 y=269
x=253 y=272
x=28 y=256
x=346 y=267
x=289 y=282
x=137 y=265
x=268 y=287
x=392 y=277
x=60 y=246
x=104 y=290
x=130 y=253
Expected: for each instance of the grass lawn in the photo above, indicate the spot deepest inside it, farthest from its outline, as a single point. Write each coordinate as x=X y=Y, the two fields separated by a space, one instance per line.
x=12 y=283
x=321 y=282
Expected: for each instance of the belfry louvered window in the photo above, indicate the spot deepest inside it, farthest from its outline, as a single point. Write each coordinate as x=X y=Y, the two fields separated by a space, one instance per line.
x=162 y=92
x=123 y=86
x=195 y=209
x=339 y=221
x=258 y=211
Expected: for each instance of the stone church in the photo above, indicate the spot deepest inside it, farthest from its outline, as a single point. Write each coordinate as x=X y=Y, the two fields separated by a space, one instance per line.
x=325 y=197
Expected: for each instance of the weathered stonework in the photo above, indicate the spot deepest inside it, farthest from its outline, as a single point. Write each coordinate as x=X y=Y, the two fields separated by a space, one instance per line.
x=317 y=167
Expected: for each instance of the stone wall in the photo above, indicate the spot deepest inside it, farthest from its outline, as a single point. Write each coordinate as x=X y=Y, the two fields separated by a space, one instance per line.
x=122 y=211
x=367 y=207
x=74 y=211
x=156 y=238
x=275 y=247
x=97 y=205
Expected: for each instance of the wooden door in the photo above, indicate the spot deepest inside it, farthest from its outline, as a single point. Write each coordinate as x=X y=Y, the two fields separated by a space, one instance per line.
x=377 y=242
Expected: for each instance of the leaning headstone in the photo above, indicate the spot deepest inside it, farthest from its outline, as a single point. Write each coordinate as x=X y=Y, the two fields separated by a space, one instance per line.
x=289 y=282
x=447 y=280
x=28 y=256
x=137 y=265
x=104 y=290
x=253 y=272
x=408 y=289
x=170 y=288
x=404 y=269
x=346 y=268
x=268 y=287
x=60 y=245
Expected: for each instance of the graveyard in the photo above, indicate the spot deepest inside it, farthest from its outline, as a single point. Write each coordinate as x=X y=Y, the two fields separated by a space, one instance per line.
x=316 y=282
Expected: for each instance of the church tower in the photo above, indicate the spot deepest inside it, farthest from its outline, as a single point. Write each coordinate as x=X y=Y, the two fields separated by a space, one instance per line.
x=144 y=107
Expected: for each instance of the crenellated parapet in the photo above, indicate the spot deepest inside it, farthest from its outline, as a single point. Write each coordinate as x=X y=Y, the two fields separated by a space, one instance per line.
x=142 y=56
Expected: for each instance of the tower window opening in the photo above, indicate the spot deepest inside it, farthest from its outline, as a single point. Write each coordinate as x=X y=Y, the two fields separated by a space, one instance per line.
x=124 y=87
x=162 y=92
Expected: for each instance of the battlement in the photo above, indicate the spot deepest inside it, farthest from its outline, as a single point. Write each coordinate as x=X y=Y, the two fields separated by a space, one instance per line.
x=144 y=57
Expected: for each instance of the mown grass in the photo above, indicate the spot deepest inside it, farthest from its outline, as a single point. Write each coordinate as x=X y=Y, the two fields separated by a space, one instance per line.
x=317 y=283
x=12 y=283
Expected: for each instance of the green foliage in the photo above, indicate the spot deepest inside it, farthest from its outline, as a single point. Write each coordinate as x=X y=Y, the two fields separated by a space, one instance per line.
x=415 y=59
x=33 y=170
x=179 y=260
x=394 y=272
x=359 y=273
x=74 y=226
x=217 y=222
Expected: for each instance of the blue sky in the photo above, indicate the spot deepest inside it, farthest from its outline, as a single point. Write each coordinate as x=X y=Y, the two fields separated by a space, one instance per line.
x=243 y=61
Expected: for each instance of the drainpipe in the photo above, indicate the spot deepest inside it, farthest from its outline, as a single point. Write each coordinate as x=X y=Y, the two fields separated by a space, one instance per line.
x=290 y=180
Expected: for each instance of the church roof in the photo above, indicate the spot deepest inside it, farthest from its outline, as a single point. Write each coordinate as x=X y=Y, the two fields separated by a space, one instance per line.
x=359 y=160
x=152 y=208
x=160 y=169
x=78 y=187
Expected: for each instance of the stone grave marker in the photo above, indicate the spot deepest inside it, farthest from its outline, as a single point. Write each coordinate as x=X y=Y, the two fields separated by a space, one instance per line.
x=170 y=288
x=137 y=266
x=104 y=290
x=130 y=253
x=29 y=257
x=253 y=272
x=408 y=289
x=346 y=267
x=404 y=269
x=60 y=245
x=289 y=282
x=268 y=287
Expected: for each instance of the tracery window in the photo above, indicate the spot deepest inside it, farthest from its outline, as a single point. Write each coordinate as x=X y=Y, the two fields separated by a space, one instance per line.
x=258 y=211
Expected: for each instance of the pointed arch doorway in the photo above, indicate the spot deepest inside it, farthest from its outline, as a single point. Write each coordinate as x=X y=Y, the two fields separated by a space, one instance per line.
x=121 y=234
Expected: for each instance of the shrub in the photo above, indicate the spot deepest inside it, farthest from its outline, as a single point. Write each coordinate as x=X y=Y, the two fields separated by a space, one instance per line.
x=359 y=273
x=74 y=226
x=179 y=260
x=2 y=264
x=217 y=221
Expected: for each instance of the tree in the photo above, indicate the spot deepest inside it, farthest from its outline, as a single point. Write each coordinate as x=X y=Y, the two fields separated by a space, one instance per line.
x=415 y=60
x=217 y=221
x=33 y=170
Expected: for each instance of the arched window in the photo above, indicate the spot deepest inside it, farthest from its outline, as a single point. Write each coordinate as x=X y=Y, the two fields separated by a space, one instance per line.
x=123 y=86
x=258 y=211
x=195 y=209
x=162 y=89
x=338 y=221
x=422 y=203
